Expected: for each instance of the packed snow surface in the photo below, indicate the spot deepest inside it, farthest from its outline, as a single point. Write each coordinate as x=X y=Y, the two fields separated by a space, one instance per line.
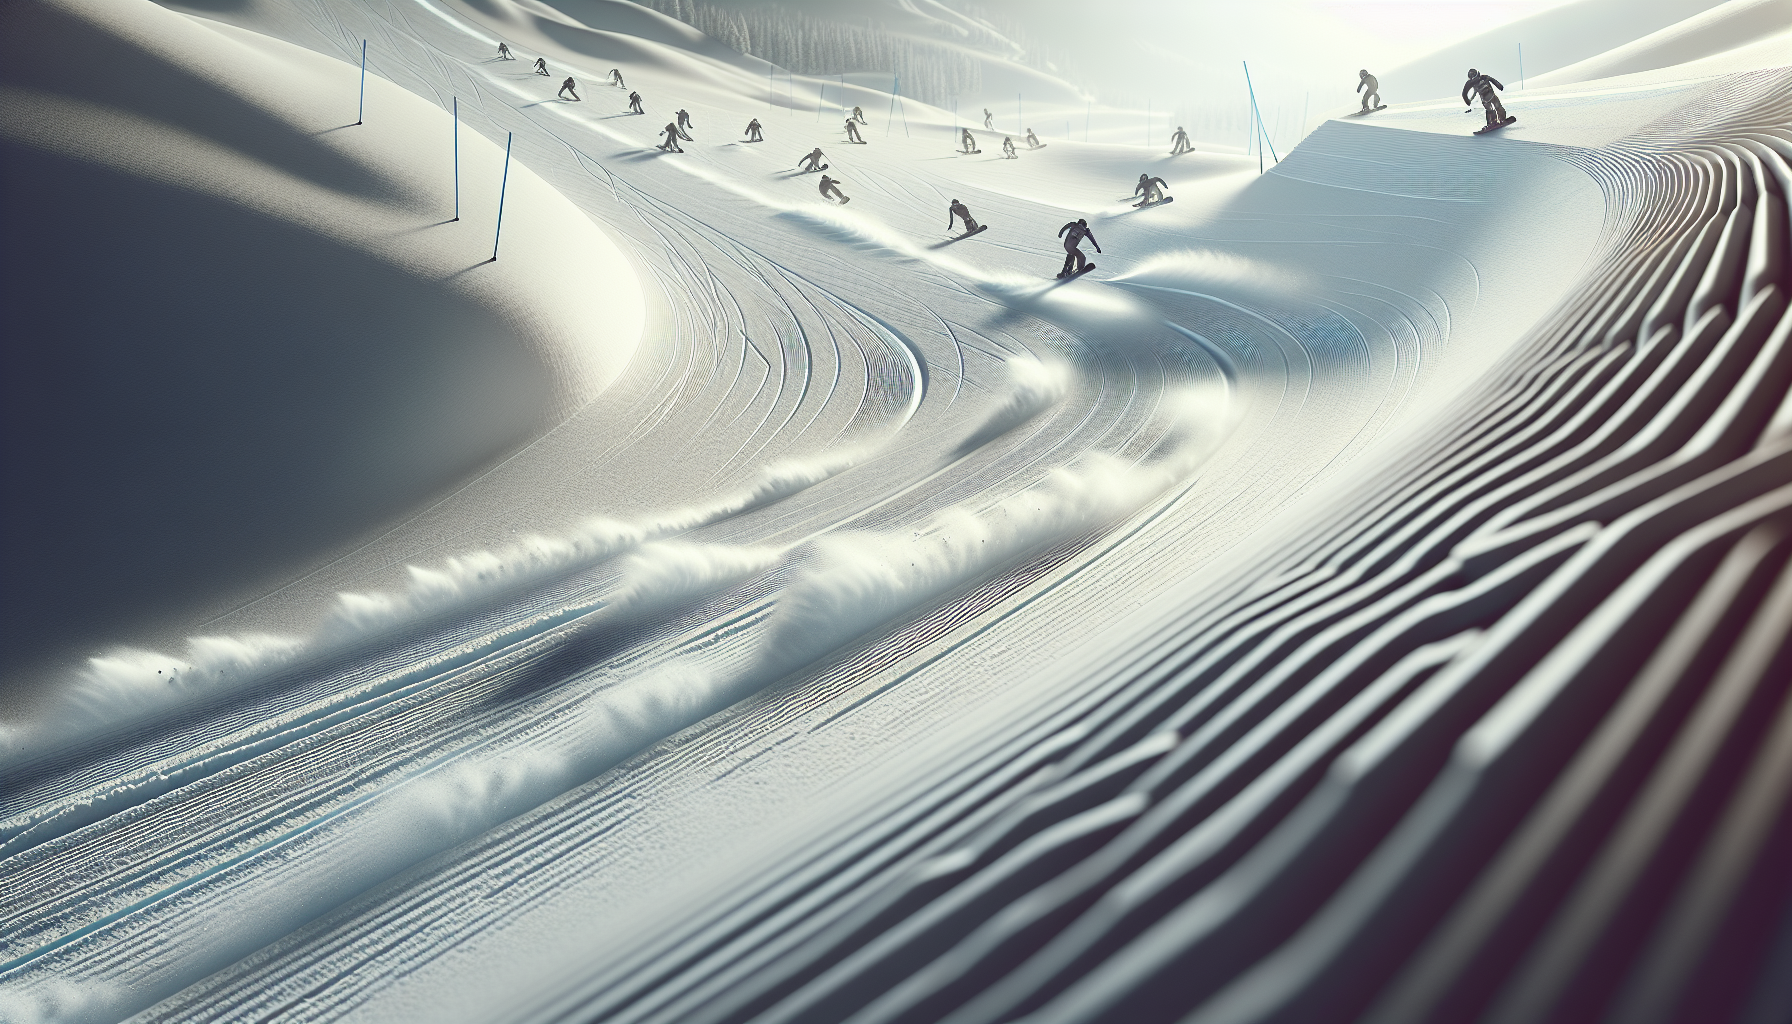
x=733 y=603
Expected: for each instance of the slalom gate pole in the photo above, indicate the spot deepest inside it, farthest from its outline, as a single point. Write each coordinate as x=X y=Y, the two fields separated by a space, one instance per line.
x=502 y=186
x=903 y=107
x=457 y=158
x=1521 y=65
x=1258 y=111
x=895 y=84
x=361 y=108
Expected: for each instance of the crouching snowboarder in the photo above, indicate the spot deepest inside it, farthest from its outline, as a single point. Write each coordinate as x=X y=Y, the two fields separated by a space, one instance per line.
x=504 y=52
x=1033 y=140
x=852 y=132
x=1370 y=87
x=541 y=66
x=684 y=121
x=831 y=187
x=1151 y=188
x=616 y=78
x=634 y=103
x=859 y=116
x=753 y=131
x=967 y=143
x=960 y=211
x=1483 y=86
x=1008 y=152
x=569 y=86
x=813 y=162
x=672 y=135
x=1073 y=234
x=1179 y=143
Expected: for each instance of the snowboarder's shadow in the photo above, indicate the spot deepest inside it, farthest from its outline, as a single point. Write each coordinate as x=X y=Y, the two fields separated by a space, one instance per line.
x=538 y=103
x=338 y=128
x=625 y=113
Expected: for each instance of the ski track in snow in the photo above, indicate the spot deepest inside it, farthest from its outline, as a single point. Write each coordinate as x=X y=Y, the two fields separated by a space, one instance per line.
x=537 y=779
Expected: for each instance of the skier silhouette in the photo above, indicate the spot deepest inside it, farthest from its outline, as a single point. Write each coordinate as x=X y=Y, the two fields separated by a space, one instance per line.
x=852 y=131
x=541 y=66
x=569 y=86
x=989 y=119
x=616 y=78
x=504 y=52
x=1179 y=143
x=1033 y=140
x=1074 y=260
x=859 y=116
x=634 y=103
x=684 y=121
x=830 y=185
x=812 y=162
x=1370 y=87
x=672 y=135
x=1008 y=152
x=958 y=209
x=753 y=131
x=969 y=143
x=1151 y=188
x=1484 y=86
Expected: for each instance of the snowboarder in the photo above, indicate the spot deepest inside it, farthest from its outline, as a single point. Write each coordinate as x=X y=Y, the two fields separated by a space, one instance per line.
x=1484 y=86
x=1033 y=140
x=813 y=162
x=989 y=120
x=968 y=142
x=1371 y=90
x=684 y=121
x=634 y=103
x=958 y=209
x=1179 y=143
x=504 y=52
x=672 y=135
x=852 y=131
x=859 y=116
x=541 y=66
x=616 y=78
x=1008 y=152
x=829 y=185
x=753 y=128
x=569 y=86
x=1151 y=188
x=1074 y=260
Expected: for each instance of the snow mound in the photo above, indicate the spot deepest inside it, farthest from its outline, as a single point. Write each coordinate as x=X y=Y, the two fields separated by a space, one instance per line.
x=240 y=329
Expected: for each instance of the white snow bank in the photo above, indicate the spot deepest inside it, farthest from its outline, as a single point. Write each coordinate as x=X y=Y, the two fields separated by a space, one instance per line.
x=240 y=329
x=1758 y=28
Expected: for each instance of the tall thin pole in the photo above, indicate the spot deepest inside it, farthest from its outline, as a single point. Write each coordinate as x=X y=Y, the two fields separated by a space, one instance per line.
x=1521 y=65
x=361 y=109
x=502 y=186
x=457 y=158
x=895 y=87
x=1258 y=111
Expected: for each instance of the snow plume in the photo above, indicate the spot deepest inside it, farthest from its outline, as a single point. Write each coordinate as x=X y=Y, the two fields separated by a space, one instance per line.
x=58 y=1000
x=130 y=685
x=1036 y=387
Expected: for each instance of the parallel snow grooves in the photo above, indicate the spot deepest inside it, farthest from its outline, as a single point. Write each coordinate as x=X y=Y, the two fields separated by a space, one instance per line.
x=1505 y=736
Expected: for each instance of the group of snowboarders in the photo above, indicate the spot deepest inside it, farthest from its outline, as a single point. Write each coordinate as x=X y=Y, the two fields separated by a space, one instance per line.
x=1149 y=190
x=1479 y=86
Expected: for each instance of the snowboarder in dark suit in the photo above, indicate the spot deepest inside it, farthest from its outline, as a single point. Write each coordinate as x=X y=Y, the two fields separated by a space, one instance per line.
x=1151 y=188
x=569 y=86
x=753 y=129
x=541 y=65
x=616 y=78
x=958 y=209
x=634 y=103
x=812 y=162
x=1483 y=86
x=852 y=131
x=672 y=135
x=1074 y=260
x=829 y=185
x=684 y=121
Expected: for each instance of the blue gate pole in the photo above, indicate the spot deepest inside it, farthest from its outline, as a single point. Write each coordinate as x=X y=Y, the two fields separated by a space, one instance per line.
x=1262 y=135
x=457 y=158
x=361 y=110
x=504 y=184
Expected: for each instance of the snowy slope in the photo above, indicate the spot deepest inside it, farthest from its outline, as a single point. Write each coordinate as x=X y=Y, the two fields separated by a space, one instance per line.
x=240 y=330
x=905 y=635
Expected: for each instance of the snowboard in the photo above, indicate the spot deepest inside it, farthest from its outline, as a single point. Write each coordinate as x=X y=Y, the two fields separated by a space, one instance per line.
x=855 y=142
x=1496 y=127
x=1086 y=268
x=1161 y=202
x=973 y=152
x=823 y=167
x=1042 y=145
x=1371 y=110
x=980 y=229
